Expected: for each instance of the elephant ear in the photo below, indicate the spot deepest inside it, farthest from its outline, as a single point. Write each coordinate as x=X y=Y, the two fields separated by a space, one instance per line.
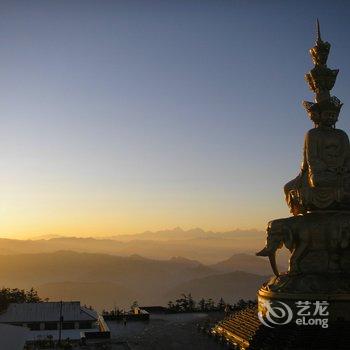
x=288 y=238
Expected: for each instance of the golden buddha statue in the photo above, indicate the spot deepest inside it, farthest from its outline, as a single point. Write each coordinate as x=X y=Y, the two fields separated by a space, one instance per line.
x=324 y=180
x=318 y=233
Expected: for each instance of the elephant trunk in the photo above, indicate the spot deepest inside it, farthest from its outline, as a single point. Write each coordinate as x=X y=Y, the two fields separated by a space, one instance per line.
x=272 y=258
x=263 y=252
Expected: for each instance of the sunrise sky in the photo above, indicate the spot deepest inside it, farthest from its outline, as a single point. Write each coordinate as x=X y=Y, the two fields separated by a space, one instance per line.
x=125 y=116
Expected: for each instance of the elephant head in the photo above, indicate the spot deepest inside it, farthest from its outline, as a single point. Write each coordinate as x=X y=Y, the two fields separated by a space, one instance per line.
x=278 y=233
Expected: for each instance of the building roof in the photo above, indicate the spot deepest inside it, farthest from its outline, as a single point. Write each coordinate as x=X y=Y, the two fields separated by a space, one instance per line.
x=47 y=312
x=155 y=309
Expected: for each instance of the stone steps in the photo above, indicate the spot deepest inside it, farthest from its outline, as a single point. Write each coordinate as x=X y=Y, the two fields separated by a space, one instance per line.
x=244 y=328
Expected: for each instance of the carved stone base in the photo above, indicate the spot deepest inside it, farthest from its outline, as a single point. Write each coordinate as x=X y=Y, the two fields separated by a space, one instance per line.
x=338 y=309
x=309 y=283
x=319 y=266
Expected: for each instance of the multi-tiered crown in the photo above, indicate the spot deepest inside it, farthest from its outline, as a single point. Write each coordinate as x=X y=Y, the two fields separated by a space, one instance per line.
x=321 y=80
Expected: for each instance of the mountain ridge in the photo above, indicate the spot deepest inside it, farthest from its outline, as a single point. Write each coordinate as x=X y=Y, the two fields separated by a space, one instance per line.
x=204 y=247
x=64 y=274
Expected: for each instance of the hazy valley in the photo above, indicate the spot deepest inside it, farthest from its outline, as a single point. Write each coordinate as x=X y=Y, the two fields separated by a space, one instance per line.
x=151 y=268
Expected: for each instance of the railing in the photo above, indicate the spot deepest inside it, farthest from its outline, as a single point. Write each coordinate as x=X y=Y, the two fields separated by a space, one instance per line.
x=102 y=324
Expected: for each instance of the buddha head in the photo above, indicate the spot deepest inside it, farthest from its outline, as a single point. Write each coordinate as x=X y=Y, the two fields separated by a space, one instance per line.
x=324 y=113
x=328 y=118
x=319 y=53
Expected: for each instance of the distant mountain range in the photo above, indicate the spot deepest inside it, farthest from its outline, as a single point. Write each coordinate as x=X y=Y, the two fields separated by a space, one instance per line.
x=150 y=267
x=176 y=233
x=206 y=247
x=229 y=286
x=245 y=262
x=103 y=280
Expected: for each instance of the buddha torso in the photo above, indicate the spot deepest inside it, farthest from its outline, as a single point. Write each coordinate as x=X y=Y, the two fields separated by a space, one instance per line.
x=326 y=150
x=324 y=181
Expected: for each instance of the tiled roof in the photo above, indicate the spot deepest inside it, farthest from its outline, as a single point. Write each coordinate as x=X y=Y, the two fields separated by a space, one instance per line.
x=46 y=312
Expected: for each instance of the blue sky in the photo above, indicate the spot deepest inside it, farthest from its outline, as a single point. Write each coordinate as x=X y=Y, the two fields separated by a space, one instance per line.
x=124 y=116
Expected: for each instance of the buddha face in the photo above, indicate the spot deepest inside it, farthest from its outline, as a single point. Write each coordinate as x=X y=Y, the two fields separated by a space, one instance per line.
x=328 y=118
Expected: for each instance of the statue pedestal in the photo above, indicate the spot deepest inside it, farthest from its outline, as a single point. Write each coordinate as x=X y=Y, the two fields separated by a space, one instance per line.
x=337 y=306
x=319 y=269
